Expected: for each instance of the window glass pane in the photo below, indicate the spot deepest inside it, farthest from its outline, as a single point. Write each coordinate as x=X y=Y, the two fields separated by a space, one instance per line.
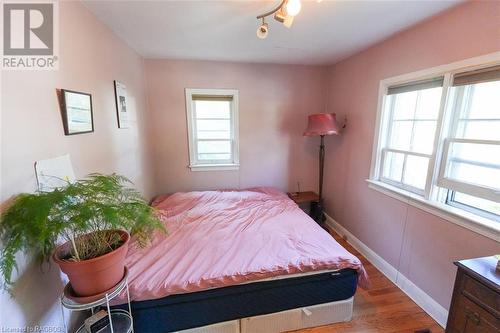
x=404 y=105
x=484 y=102
x=214 y=147
x=416 y=171
x=393 y=166
x=479 y=116
x=479 y=203
x=212 y=109
x=474 y=174
x=423 y=136
x=213 y=125
x=214 y=134
x=414 y=120
x=428 y=104
x=401 y=135
x=479 y=129
x=213 y=157
x=475 y=152
x=474 y=163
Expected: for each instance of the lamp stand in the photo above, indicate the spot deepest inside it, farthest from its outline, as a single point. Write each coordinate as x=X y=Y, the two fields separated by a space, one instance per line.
x=321 y=166
x=317 y=208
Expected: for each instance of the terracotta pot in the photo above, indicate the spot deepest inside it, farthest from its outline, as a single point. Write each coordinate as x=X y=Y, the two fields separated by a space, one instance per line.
x=71 y=294
x=94 y=276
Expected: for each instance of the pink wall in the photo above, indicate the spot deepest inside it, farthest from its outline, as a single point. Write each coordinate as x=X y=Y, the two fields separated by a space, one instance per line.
x=429 y=244
x=31 y=129
x=274 y=103
x=273 y=108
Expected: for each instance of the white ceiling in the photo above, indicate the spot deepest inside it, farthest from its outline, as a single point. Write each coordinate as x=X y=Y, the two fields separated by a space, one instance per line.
x=323 y=33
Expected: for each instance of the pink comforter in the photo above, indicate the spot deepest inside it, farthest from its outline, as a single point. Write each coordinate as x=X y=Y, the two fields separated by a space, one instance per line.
x=223 y=238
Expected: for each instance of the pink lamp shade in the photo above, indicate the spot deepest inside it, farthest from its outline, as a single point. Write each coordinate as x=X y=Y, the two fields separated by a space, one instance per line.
x=321 y=124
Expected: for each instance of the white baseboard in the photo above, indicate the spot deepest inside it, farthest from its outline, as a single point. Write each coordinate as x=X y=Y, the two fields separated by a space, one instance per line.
x=426 y=302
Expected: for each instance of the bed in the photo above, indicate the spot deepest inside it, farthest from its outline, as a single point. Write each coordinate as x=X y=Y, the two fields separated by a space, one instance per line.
x=239 y=255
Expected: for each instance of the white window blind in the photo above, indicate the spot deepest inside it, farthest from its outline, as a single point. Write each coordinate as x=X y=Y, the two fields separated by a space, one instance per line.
x=212 y=122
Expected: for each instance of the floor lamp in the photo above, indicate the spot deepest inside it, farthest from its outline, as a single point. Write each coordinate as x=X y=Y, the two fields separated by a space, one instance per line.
x=321 y=124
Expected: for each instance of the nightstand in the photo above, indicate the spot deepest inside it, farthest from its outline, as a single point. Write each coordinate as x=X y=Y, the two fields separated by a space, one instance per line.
x=305 y=200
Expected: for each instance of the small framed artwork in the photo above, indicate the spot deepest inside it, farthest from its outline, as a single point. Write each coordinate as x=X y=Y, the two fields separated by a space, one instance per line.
x=122 y=110
x=77 y=112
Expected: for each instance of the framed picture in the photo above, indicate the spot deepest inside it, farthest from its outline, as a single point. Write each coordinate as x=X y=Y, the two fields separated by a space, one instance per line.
x=77 y=112
x=122 y=110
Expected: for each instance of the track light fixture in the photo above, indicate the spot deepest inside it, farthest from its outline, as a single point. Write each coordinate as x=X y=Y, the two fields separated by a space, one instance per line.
x=283 y=13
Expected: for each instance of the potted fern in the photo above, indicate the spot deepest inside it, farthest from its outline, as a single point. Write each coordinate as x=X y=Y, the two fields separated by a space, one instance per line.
x=94 y=215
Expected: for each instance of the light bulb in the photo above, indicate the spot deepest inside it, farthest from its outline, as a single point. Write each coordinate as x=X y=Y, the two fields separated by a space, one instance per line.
x=262 y=31
x=293 y=7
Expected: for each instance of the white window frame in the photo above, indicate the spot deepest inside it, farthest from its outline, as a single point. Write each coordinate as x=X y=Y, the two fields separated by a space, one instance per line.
x=433 y=198
x=194 y=163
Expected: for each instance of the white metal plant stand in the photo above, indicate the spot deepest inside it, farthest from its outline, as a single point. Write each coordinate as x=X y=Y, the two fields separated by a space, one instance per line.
x=120 y=321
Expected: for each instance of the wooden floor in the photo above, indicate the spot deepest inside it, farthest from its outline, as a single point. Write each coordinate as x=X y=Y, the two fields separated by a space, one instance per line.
x=383 y=308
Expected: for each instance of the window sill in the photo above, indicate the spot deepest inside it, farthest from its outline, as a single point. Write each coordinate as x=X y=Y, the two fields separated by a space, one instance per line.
x=214 y=167
x=478 y=224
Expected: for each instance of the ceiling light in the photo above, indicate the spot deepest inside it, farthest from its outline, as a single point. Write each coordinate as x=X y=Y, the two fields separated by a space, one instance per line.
x=293 y=7
x=263 y=30
x=283 y=13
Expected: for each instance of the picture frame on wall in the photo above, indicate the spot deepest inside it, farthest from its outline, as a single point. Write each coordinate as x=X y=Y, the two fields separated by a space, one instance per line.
x=122 y=111
x=77 y=112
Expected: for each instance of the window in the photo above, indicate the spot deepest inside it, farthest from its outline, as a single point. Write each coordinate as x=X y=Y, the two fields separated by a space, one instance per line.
x=212 y=116
x=413 y=115
x=471 y=166
x=439 y=139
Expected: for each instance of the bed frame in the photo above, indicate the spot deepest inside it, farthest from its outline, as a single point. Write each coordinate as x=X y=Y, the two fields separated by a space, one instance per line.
x=265 y=306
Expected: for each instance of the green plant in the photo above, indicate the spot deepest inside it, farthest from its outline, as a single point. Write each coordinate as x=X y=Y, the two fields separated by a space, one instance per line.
x=81 y=213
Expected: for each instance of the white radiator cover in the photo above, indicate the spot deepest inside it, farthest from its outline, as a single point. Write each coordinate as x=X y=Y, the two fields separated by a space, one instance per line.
x=310 y=316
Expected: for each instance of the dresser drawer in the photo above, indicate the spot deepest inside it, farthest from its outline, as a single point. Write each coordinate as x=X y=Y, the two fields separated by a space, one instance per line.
x=471 y=318
x=480 y=294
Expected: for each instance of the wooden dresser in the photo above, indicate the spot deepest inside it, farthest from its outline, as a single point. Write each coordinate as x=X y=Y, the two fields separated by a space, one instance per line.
x=475 y=306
